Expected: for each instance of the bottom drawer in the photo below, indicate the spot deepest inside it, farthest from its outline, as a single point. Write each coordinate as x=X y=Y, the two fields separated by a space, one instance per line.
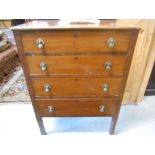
x=76 y=107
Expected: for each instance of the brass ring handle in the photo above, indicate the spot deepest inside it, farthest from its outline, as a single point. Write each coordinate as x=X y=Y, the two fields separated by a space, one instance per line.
x=47 y=88
x=111 y=42
x=50 y=109
x=43 y=66
x=101 y=108
x=108 y=65
x=40 y=43
x=105 y=87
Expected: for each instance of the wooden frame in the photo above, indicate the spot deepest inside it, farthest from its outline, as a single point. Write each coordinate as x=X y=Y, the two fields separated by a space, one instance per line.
x=142 y=62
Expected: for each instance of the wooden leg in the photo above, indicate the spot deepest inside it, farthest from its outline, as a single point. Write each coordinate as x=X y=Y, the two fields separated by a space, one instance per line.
x=41 y=125
x=39 y=119
x=113 y=125
x=114 y=120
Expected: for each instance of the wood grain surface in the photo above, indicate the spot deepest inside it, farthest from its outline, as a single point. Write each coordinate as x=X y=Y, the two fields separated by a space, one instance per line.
x=77 y=65
x=76 y=107
x=75 y=41
x=77 y=87
x=142 y=61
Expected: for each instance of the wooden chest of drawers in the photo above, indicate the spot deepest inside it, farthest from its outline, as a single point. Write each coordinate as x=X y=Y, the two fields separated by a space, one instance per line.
x=75 y=70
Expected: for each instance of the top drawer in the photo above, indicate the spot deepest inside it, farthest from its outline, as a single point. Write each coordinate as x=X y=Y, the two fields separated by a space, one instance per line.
x=75 y=41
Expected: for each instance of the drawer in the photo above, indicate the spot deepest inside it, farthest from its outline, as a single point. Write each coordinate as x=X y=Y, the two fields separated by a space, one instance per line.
x=106 y=65
x=76 y=86
x=52 y=41
x=76 y=107
x=76 y=41
x=102 y=41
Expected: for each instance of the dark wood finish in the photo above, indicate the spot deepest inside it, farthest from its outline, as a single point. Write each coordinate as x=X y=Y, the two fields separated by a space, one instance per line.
x=76 y=86
x=76 y=55
x=76 y=107
x=77 y=65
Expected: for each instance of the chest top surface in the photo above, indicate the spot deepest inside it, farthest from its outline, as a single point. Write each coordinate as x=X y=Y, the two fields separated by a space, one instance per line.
x=66 y=24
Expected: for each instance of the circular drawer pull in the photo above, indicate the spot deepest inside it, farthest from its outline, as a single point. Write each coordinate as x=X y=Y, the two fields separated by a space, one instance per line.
x=40 y=43
x=101 y=108
x=50 y=108
x=43 y=66
x=105 y=87
x=47 y=88
x=111 y=42
x=108 y=65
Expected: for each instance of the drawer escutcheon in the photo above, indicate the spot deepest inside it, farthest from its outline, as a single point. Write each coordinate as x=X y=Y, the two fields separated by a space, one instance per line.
x=105 y=87
x=43 y=66
x=101 y=108
x=108 y=65
x=47 y=88
x=111 y=42
x=50 y=109
x=40 y=43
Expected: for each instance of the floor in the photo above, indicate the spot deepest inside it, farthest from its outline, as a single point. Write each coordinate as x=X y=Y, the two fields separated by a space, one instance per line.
x=14 y=88
x=18 y=118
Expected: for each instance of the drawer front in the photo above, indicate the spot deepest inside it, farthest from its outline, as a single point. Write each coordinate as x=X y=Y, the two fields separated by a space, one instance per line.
x=102 y=41
x=53 y=41
x=76 y=87
x=106 y=65
x=76 y=107
x=75 y=41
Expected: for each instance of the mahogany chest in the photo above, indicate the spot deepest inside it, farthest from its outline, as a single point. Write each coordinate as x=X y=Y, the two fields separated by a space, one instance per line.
x=74 y=69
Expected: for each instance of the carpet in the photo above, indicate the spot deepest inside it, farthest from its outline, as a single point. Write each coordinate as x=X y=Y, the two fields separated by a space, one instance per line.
x=14 y=89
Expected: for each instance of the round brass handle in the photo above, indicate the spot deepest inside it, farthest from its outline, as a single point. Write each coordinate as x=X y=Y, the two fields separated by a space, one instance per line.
x=47 y=88
x=40 y=43
x=101 y=108
x=50 y=108
x=111 y=42
x=43 y=66
x=105 y=87
x=108 y=65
